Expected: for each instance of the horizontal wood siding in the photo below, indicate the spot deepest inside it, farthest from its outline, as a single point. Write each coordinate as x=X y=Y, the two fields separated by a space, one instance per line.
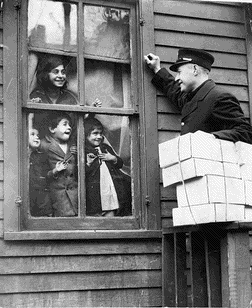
x=216 y=27
x=76 y=273
x=1 y=126
x=81 y=273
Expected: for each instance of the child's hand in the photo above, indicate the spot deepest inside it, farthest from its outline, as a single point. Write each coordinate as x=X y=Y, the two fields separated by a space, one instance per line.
x=96 y=103
x=90 y=158
x=61 y=165
x=73 y=149
x=107 y=157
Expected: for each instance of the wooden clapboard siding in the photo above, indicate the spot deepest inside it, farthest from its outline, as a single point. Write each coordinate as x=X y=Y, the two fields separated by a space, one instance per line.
x=1 y=126
x=103 y=298
x=216 y=27
x=81 y=273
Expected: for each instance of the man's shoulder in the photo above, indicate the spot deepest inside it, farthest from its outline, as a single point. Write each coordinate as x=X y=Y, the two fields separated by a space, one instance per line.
x=218 y=90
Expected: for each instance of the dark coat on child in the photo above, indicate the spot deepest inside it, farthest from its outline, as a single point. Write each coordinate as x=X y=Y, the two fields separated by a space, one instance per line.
x=40 y=204
x=122 y=183
x=210 y=109
x=63 y=186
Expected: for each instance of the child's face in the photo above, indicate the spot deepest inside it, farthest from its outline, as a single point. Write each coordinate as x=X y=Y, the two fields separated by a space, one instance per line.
x=57 y=76
x=95 y=137
x=62 y=131
x=34 y=141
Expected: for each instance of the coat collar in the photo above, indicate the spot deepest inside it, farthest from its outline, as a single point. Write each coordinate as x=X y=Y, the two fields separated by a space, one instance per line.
x=54 y=147
x=191 y=105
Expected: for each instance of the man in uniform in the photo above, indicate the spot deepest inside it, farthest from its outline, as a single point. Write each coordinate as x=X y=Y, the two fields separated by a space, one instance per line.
x=204 y=105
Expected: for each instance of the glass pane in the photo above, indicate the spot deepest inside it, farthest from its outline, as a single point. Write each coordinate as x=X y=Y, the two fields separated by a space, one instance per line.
x=52 y=24
x=52 y=79
x=108 y=166
x=53 y=176
x=109 y=82
x=106 y=32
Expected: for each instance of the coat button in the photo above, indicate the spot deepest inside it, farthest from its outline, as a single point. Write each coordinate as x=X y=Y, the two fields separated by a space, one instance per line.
x=182 y=123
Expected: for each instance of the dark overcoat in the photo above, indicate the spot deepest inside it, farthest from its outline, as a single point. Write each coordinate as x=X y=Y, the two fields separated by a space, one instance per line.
x=63 y=186
x=122 y=183
x=212 y=109
x=40 y=204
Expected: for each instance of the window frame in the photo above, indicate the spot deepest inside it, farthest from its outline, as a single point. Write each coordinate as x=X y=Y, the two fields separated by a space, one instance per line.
x=150 y=204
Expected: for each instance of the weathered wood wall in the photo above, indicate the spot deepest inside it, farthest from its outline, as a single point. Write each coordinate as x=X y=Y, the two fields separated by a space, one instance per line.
x=117 y=273
x=215 y=27
x=110 y=273
x=1 y=125
x=80 y=274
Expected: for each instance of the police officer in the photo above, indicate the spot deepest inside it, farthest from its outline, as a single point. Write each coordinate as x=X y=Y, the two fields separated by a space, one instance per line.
x=204 y=105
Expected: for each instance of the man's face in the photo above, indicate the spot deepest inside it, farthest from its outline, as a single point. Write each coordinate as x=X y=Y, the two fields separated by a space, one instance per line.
x=186 y=78
x=62 y=132
x=57 y=76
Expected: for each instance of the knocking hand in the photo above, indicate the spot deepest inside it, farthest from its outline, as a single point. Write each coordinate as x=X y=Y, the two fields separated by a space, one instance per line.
x=153 y=62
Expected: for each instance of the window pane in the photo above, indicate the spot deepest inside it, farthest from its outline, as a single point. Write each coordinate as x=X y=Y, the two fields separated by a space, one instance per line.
x=109 y=82
x=106 y=32
x=108 y=166
x=52 y=79
x=52 y=25
x=53 y=176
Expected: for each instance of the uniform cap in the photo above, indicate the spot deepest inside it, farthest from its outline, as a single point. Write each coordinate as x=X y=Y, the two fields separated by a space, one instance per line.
x=192 y=55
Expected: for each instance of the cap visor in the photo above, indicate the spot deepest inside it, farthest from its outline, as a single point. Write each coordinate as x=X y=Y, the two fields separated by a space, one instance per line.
x=174 y=67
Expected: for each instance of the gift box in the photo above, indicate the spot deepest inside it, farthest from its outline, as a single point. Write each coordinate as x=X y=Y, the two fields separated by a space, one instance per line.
x=232 y=170
x=191 y=168
x=244 y=152
x=192 y=145
x=246 y=171
x=248 y=192
x=210 y=189
x=248 y=214
x=228 y=151
x=208 y=213
x=203 y=190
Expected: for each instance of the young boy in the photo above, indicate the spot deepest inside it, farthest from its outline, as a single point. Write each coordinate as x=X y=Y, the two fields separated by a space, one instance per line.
x=108 y=189
x=40 y=204
x=62 y=161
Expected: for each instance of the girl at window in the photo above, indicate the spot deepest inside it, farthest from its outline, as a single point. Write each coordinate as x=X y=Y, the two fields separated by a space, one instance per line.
x=52 y=82
x=40 y=204
x=108 y=189
x=51 y=88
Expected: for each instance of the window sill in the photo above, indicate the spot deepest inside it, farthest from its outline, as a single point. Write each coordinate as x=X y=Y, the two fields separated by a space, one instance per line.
x=81 y=235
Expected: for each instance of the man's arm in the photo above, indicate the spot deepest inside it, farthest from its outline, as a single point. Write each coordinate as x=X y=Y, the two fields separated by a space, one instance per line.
x=165 y=82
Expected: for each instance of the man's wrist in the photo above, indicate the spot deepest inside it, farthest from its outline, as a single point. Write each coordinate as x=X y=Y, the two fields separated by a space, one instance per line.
x=157 y=69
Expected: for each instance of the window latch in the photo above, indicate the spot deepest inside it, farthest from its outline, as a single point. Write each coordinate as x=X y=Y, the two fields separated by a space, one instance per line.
x=17 y=4
x=141 y=21
x=147 y=200
x=18 y=201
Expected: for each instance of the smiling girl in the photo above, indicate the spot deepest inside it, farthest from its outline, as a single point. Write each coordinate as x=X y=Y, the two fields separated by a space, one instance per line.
x=108 y=189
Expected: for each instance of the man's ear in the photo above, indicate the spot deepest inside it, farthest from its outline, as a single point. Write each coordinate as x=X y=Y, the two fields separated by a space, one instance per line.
x=195 y=70
x=51 y=130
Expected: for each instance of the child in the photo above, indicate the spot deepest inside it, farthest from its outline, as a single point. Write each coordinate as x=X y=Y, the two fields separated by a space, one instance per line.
x=38 y=188
x=108 y=189
x=62 y=161
x=51 y=88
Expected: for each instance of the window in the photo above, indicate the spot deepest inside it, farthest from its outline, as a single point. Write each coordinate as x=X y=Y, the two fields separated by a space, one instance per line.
x=82 y=153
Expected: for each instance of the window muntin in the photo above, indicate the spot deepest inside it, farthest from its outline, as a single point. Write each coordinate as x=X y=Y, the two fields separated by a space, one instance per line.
x=97 y=71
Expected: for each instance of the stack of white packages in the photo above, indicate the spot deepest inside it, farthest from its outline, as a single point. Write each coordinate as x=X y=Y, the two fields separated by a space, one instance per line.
x=213 y=178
